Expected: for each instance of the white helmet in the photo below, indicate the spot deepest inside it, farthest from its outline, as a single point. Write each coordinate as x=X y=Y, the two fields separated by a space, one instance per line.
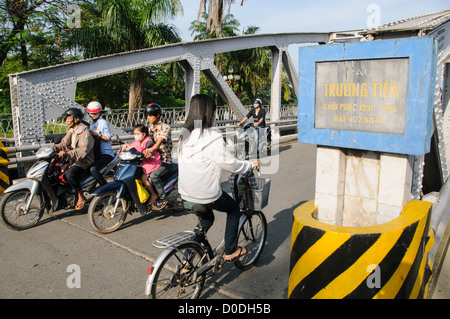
x=94 y=107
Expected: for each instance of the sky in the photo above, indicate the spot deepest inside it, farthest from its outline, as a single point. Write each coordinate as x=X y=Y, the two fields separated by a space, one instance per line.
x=278 y=16
x=275 y=16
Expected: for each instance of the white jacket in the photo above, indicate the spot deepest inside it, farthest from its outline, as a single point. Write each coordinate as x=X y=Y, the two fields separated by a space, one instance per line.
x=201 y=159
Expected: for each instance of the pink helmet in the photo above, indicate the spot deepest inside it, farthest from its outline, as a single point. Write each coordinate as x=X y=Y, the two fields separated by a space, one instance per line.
x=94 y=107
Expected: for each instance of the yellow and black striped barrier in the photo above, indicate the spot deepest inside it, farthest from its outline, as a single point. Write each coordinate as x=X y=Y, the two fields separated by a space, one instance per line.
x=4 y=175
x=384 y=261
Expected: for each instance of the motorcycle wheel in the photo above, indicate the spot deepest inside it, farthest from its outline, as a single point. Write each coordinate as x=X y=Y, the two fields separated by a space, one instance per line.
x=101 y=213
x=13 y=209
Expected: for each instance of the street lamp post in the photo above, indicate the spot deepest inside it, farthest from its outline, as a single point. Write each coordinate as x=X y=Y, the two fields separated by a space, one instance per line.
x=232 y=80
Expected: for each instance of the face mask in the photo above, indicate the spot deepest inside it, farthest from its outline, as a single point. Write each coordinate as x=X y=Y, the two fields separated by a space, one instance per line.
x=138 y=137
x=255 y=105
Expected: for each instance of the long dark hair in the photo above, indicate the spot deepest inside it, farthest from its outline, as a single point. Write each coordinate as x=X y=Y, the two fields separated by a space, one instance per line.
x=142 y=128
x=202 y=108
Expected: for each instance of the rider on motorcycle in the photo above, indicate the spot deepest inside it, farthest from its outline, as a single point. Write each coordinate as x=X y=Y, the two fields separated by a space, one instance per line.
x=163 y=143
x=258 y=114
x=259 y=121
x=100 y=128
x=79 y=143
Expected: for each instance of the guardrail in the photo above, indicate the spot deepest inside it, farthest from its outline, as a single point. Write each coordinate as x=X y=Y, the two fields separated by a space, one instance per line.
x=118 y=139
x=123 y=118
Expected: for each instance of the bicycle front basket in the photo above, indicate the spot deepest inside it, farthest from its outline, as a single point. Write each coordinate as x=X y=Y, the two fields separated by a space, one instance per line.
x=259 y=193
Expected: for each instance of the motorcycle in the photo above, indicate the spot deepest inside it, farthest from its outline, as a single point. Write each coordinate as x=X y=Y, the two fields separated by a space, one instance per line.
x=44 y=188
x=252 y=142
x=126 y=194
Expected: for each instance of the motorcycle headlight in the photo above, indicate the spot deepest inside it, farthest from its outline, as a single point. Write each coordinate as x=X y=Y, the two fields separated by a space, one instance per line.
x=128 y=156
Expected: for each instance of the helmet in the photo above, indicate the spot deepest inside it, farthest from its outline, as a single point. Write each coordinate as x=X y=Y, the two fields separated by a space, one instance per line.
x=257 y=101
x=153 y=109
x=74 y=112
x=94 y=107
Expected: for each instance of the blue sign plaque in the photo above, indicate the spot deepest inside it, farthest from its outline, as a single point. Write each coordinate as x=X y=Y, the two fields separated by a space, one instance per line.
x=374 y=95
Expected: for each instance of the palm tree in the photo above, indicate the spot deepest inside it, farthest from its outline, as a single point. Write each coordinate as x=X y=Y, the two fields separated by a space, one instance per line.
x=230 y=28
x=127 y=25
x=216 y=10
x=215 y=21
x=252 y=65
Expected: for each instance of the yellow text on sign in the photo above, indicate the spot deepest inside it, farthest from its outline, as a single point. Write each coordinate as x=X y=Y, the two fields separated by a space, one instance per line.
x=376 y=89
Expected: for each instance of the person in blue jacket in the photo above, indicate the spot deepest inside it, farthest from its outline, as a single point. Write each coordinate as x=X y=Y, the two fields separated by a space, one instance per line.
x=100 y=128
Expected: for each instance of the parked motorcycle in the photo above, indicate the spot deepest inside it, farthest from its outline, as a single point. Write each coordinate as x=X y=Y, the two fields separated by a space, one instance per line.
x=126 y=194
x=44 y=188
x=252 y=142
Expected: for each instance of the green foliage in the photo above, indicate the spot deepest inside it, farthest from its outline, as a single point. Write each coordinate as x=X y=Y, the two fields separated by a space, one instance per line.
x=35 y=34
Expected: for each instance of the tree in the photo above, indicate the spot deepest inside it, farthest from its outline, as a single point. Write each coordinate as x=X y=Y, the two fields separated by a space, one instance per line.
x=26 y=20
x=126 y=25
x=216 y=13
x=215 y=21
x=33 y=34
x=230 y=28
x=252 y=65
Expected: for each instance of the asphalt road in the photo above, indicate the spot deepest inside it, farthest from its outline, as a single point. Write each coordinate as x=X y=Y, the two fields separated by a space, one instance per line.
x=42 y=262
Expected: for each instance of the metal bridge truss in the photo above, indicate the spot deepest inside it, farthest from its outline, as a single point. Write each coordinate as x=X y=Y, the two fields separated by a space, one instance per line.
x=40 y=95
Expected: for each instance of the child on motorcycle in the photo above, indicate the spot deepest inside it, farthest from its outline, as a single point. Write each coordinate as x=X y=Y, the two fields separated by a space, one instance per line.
x=144 y=141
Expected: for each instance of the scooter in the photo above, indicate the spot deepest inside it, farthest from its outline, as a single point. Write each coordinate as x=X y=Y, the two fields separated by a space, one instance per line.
x=126 y=194
x=44 y=188
x=252 y=142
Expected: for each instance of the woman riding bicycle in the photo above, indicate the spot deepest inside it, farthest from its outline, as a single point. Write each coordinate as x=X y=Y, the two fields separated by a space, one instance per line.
x=202 y=156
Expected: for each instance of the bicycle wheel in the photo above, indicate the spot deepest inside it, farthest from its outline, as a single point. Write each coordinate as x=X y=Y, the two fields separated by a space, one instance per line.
x=252 y=236
x=14 y=211
x=175 y=277
x=101 y=213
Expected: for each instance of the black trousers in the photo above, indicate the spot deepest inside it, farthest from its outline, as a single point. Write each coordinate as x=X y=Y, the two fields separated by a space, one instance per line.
x=74 y=176
x=225 y=204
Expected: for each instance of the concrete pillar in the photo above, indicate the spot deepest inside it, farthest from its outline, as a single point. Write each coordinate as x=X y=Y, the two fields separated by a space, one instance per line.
x=330 y=181
x=361 y=188
x=396 y=173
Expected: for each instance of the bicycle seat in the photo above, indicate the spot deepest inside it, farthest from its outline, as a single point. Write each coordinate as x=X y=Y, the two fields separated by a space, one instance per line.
x=196 y=208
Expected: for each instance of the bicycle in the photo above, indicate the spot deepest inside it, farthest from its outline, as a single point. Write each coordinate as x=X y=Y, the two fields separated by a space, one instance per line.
x=181 y=269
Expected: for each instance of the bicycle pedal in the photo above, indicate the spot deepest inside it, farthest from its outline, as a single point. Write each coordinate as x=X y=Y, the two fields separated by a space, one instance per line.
x=218 y=266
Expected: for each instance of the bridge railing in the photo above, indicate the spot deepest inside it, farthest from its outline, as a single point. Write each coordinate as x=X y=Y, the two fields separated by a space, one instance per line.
x=227 y=127
x=122 y=118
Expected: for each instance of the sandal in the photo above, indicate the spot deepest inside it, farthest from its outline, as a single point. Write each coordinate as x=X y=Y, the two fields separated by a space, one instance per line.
x=149 y=204
x=240 y=251
x=80 y=206
x=160 y=204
